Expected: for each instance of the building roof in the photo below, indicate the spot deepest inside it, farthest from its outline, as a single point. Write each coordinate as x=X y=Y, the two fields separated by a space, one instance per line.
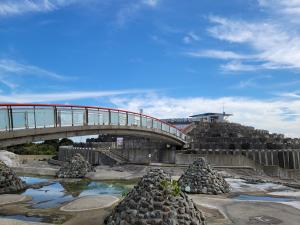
x=211 y=114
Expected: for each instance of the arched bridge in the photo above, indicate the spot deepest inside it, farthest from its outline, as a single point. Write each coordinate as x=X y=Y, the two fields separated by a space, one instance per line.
x=23 y=123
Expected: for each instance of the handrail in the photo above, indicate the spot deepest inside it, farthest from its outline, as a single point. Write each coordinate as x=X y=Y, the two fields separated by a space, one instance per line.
x=12 y=110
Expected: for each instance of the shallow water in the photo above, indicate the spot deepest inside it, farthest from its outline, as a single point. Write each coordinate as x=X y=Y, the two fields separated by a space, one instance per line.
x=262 y=198
x=58 y=193
x=240 y=185
x=25 y=218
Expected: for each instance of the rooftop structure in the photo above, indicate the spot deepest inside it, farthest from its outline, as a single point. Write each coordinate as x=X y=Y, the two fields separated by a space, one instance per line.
x=211 y=117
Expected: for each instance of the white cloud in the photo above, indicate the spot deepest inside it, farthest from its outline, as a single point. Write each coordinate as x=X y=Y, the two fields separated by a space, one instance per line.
x=151 y=2
x=295 y=94
x=288 y=7
x=273 y=46
x=217 y=54
x=11 y=71
x=191 y=37
x=17 y=7
x=262 y=114
x=62 y=96
x=129 y=10
x=237 y=66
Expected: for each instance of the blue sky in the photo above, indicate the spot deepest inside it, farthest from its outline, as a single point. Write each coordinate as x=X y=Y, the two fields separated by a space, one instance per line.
x=171 y=58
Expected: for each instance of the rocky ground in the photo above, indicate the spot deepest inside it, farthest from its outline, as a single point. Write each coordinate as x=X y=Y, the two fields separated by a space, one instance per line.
x=221 y=209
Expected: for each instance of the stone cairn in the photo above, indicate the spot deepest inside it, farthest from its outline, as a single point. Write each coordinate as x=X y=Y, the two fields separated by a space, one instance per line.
x=9 y=181
x=78 y=167
x=200 y=178
x=156 y=200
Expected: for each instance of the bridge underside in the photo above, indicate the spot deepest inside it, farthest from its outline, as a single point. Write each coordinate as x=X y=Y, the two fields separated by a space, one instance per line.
x=23 y=136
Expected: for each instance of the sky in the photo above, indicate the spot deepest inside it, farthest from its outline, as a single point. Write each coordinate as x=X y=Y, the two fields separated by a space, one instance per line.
x=171 y=58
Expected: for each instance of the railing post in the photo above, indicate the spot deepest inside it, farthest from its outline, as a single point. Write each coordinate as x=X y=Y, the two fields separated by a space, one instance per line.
x=109 y=117
x=126 y=119
x=55 y=116
x=72 y=116
x=10 y=118
x=34 y=117
x=86 y=121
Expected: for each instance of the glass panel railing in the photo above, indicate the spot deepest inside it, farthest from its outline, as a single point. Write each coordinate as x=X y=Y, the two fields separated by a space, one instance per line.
x=122 y=118
x=137 y=120
x=93 y=117
x=78 y=117
x=158 y=125
x=23 y=118
x=44 y=117
x=39 y=117
x=18 y=119
x=149 y=123
x=165 y=127
x=173 y=130
x=130 y=119
x=103 y=117
x=4 y=122
x=114 y=118
x=155 y=125
x=144 y=121
x=64 y=117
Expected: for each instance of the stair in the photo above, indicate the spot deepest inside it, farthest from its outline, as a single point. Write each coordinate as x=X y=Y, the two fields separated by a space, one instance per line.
x=113 y=154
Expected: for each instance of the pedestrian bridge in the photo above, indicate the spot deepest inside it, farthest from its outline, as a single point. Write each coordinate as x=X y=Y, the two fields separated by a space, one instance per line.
x=24 y=123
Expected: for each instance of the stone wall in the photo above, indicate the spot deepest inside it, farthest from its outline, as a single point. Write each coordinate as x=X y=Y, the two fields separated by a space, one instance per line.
x=216 y=160
x=236 y=136
x=92 y=156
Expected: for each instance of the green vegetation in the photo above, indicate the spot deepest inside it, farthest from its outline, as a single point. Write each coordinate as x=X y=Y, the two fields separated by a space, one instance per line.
x=171 y=185
x=125 y=193
x=49 y=147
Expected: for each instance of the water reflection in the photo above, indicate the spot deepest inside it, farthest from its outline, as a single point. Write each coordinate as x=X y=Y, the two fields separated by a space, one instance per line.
x=57 y=193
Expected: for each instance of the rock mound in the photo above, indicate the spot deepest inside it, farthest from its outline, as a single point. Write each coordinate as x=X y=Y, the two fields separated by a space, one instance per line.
x=78 y=167
x=201 y=178
x=9 y=181
x=156 y=199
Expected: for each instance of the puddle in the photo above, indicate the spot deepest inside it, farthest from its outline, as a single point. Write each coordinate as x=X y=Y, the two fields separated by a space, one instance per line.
x=261 y=198
x=240 y=185
x=33 y=180
x=24 y=218
x=58 y=193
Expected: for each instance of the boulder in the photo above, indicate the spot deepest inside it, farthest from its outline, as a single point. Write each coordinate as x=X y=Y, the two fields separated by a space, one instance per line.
x=200 y=178
x=156 y=199
x=78 y=167
x=9 y=181
x=9 y=158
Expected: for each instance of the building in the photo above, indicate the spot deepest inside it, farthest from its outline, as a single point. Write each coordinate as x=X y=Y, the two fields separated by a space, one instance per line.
x=211 y=117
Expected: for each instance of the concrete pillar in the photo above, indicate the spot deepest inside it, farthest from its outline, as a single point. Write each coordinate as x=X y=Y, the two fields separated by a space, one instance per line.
x=272 y=158
x=294 y=160
x=298 y=159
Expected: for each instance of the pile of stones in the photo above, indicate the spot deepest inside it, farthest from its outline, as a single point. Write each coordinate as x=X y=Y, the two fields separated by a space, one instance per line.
x=200 y=178
x=156 y=199
x=9 y=181
x=78 y=167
